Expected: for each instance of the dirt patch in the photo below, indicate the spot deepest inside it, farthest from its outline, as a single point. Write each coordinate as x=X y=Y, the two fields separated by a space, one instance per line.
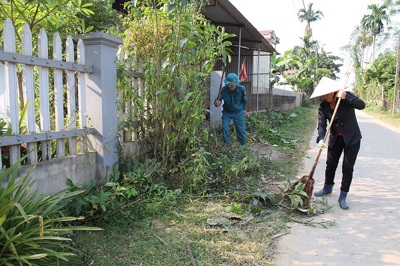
x=270 y=152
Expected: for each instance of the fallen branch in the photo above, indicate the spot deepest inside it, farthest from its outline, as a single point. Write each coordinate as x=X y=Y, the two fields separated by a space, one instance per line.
x=159 y=238
x=311 y=222
x=279 y=235
x=192 y=261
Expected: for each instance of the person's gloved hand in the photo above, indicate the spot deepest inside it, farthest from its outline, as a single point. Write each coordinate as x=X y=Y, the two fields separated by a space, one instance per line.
x=321 y=145
x=341 y=94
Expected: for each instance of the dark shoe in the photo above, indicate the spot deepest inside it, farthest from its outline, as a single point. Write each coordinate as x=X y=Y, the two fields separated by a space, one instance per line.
x=342 y=200
x=325 y=191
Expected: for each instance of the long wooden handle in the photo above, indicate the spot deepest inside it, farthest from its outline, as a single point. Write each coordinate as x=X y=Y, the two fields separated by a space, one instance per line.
x=220 y=84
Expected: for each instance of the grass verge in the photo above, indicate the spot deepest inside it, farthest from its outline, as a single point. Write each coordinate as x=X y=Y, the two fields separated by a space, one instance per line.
x=385 y=116
x=231 y=226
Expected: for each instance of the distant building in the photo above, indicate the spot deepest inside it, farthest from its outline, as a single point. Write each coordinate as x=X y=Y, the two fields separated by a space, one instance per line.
x=271 y=37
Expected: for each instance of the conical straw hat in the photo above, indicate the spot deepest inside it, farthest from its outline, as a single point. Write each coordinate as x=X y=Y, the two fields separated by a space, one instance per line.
x=326 y=86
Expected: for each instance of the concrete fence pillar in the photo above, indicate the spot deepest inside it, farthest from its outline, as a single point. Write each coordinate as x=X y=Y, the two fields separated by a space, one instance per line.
x=101 y=99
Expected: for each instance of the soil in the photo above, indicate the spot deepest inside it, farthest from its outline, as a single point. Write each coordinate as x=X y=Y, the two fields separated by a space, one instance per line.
x=271 y=152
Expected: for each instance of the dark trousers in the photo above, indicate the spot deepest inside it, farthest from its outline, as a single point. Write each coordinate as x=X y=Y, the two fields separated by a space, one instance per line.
x=240 y=126
x=349 y=159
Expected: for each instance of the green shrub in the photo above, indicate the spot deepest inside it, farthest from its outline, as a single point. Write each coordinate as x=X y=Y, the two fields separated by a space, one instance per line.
x=33 y=230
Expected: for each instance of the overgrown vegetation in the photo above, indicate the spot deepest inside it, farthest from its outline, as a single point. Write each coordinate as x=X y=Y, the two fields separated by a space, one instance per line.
x=226 y=205
x=177 y=48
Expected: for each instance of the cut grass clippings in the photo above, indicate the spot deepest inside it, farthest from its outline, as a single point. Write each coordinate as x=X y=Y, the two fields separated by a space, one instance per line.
x=215 y=237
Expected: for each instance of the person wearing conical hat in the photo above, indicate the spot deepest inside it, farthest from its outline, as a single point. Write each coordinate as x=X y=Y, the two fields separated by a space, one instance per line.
x=344 y=136
x=234 y=108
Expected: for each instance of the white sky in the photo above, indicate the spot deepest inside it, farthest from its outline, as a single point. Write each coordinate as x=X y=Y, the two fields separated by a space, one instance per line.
x=332 y=31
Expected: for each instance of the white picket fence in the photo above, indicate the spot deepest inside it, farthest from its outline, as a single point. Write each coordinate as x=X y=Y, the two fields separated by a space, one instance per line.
x=46 y=80
x=72 y=101
x=131 y=127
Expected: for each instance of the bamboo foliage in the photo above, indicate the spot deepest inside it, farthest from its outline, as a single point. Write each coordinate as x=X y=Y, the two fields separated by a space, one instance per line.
x=178 y=54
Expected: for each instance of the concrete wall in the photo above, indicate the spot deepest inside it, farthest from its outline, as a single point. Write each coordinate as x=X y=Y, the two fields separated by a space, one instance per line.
x=285 y=99
x=51 y=176
x=257 y=102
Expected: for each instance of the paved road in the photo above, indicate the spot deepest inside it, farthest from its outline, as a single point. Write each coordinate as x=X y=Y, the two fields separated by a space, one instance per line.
x=369 y=232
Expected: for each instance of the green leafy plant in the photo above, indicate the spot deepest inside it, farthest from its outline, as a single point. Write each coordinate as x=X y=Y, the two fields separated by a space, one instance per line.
x=236 y=208
x=296 y=195
x=90 y=202
x=230 y=169
x=264 y=195
x=6 y=130
x=266 y=128
x=178 y=48
x=54 y=15
x=33 y=230
x=133 y=192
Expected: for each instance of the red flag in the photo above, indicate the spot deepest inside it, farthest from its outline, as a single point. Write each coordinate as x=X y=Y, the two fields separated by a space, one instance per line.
x=243 y=72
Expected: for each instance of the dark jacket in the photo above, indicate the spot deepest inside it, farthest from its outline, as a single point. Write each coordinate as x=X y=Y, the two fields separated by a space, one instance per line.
x=345 y=120
x=234 y=101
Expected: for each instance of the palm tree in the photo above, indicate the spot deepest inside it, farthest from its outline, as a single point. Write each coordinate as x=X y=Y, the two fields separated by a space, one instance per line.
x=374 y=22
x=309 y=15
x=309 y=46
x=362 y=41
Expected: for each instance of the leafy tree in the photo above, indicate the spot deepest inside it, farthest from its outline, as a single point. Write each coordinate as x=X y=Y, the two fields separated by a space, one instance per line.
x=308 y=48
x=330 y=62
x=301 y=77
x=360 y=40
x=103 y=19
x=309 y=15
x=61 y=16
x=310 y=63
x=373 y=22
x=54 y=16
x=379 y=79
x=178 y=48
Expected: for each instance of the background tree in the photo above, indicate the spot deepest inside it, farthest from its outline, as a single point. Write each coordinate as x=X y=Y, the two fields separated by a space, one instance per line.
x=373 y=22
x=103 y=19
x=54 y=16
x=379 y=79
x=360 y=40
x=309 y=46
x=309 y=15
x=328 y=65
x=61 y=16
x=308 y=64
